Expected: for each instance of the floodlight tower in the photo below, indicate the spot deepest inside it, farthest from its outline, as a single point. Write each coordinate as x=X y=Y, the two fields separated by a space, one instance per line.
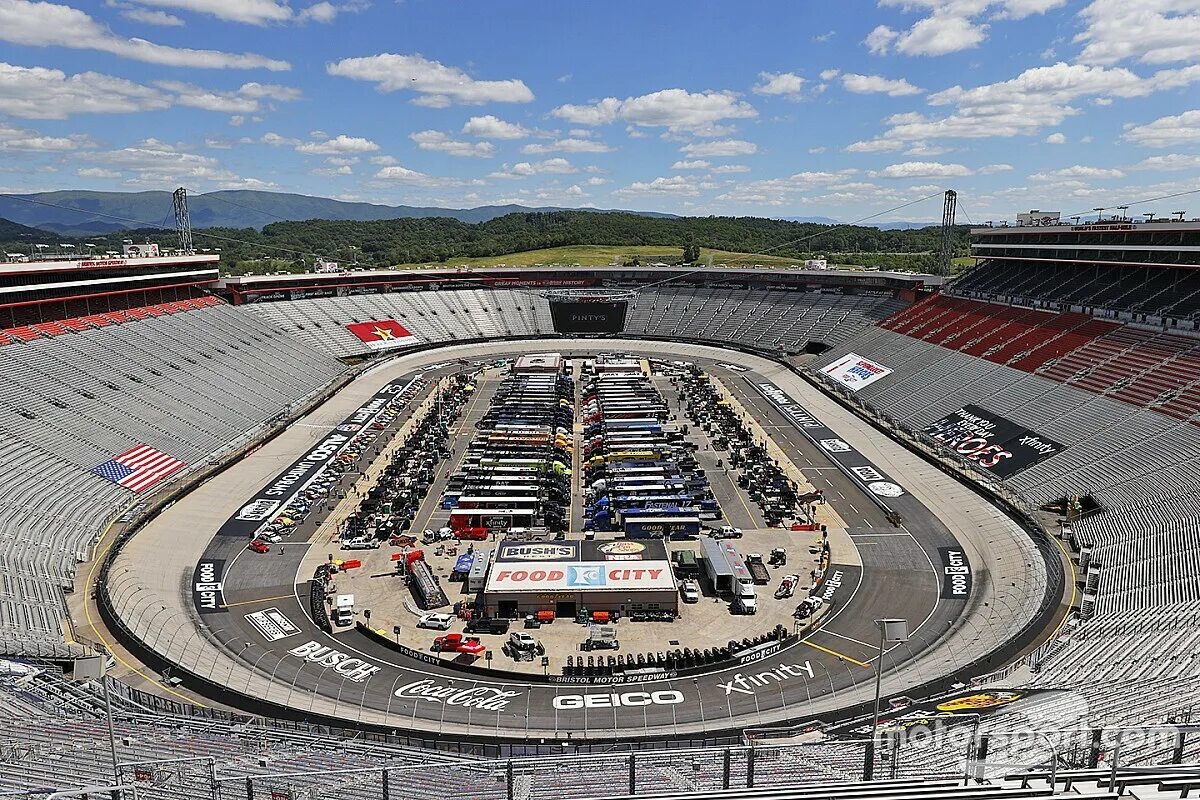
x=183 y=222
x=948 y=209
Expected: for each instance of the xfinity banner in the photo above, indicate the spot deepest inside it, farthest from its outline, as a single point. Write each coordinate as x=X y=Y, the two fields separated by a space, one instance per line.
x=854 y=372
x=999 y=445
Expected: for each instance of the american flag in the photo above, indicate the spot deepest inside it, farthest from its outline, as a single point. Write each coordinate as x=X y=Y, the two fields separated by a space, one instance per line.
x=140 y=468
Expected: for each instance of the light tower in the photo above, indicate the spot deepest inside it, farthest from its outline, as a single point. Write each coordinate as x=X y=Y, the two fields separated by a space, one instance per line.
x=183 y=222
x=948 y=209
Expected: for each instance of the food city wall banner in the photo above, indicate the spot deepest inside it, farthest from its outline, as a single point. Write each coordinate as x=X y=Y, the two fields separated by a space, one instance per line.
x=855 y=372
x=999 y=445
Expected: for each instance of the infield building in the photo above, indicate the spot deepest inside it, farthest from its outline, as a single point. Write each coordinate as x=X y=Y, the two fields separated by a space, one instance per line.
x=566 y=576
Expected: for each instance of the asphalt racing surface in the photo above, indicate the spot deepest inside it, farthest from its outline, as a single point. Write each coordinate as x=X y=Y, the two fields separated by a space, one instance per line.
x=255 y=606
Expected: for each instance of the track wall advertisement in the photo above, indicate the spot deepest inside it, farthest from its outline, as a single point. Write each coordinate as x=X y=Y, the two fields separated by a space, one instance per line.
x=999 y=445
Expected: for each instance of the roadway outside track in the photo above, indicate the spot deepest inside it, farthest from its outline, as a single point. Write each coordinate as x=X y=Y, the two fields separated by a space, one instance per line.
x=884 y=572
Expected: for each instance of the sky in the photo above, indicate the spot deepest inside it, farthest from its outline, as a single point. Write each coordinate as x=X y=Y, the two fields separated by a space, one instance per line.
x=850 y=110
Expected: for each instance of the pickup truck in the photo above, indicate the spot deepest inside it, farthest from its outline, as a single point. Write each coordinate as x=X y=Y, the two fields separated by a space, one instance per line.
x=459 y=643
x=487 y=625
x=727 y=532
x=758 y=570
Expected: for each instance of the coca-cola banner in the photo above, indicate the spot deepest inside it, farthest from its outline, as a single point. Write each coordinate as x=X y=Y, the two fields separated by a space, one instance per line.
x=999 y=445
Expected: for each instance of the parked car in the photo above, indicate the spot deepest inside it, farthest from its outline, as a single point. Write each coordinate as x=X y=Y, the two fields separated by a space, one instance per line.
x=690 y=592
x=787 y=586
x=487 y=625
x=258 y=546
x=360 y=544
x=435 y=621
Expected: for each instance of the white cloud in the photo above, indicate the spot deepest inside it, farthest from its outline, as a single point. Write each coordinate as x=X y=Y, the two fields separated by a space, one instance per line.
x=491 y=127
x=524 y=169
x=677 y=110
x=41 y=93
x=237 y=120
x=338 y=144
x=398 y=174
x=875 y=146
x=45 y=24
x=435 y=84
x=245 y=100
x=721 y=148
x=384 y=161
x=940 y=34
x=152 y=164
x=880 y=39
x=1166 y=131
x=149 y=17
x=876 y=84
x=676 y=185
x=275 y=140
x=779 y=83
x=13 y=138
x=952 y=25
x=97 y=172
x=254 y=12
x=992 y=169
x=1037 y=98
x=921 y=169
x=724 y=169
x=693 y=164
x=1077 y=172
x=440 y=142
x=568 y=145
x=596 y=181
x=259 y=12
x=816 y=151
x=1055 y=138
x=1169 y=163
x=332 y=172
x=1149 y=31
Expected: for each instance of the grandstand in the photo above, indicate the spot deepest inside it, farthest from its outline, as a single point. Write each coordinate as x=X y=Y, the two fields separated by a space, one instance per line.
x=173 y=375
x=1080 y=351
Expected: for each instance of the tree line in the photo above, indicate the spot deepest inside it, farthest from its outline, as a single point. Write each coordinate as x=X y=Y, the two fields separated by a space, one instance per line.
x=294 y=246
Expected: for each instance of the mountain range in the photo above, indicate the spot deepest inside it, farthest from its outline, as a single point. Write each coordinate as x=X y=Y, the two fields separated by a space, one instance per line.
x=87 y=213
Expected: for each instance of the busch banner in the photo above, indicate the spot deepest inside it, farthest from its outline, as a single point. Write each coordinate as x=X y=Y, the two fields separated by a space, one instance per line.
x=855 y=372
x=999 y=445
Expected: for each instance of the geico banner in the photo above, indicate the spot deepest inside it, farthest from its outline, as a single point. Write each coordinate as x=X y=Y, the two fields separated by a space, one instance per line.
x=580 y=576
x=999 y=445
x=855 y=372
x=668 y=697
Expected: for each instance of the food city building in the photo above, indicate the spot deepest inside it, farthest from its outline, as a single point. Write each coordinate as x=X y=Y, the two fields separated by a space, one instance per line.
x=566 y=576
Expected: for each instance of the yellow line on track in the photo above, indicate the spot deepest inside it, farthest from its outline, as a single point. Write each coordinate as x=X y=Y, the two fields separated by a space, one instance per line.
x=97 y=559
x=836 y=654
x=262 y=600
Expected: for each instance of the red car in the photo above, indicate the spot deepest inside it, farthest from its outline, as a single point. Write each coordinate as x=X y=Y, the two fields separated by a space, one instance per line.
x=258 y=546
x=459 y=643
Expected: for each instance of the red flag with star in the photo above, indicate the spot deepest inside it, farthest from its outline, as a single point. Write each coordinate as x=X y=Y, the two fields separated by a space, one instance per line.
x=381 y=334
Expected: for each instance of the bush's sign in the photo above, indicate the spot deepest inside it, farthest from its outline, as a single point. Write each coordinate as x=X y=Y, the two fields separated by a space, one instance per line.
x=999 y=445
x=855 y=372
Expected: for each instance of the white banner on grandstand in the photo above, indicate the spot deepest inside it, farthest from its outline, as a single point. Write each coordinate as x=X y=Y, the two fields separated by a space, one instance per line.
x=854 y=371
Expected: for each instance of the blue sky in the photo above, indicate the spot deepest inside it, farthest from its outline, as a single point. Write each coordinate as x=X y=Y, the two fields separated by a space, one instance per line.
x=796 y=108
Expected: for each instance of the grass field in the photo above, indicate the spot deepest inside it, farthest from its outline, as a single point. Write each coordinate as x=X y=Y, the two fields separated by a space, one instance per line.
x=599 y=255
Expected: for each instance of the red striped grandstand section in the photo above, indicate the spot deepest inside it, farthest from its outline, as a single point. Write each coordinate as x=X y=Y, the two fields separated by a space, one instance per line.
x=1144 y=368
x=39 y=330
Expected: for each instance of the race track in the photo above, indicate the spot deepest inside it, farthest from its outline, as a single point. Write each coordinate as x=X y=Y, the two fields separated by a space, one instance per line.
x=255 y=627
